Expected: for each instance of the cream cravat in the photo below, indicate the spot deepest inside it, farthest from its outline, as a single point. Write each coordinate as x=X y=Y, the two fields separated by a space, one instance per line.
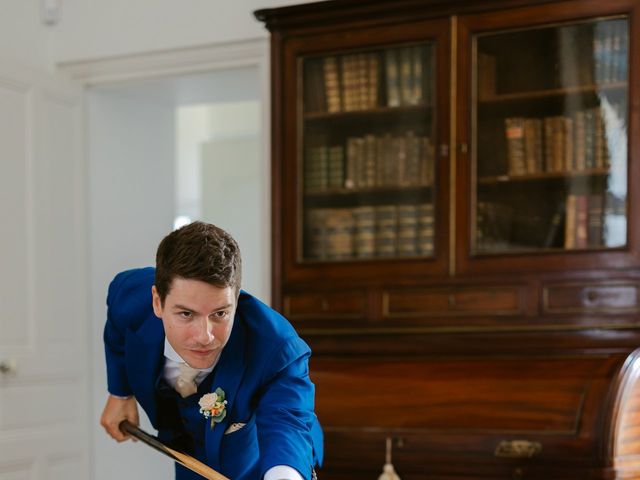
x=185 y=384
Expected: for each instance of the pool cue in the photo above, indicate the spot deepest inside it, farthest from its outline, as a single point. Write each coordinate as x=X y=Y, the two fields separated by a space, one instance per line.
x=182 y=458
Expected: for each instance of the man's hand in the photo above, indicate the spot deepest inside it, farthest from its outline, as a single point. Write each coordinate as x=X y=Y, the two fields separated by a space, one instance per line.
x=115 y=411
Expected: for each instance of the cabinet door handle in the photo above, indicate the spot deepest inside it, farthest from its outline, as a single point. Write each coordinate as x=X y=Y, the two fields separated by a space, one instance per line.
x=592 y=296
x=517 y=449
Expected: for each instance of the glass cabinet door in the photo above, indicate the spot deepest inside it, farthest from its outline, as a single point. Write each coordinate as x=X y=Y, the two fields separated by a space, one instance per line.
x=549 y=137
x=367 y=159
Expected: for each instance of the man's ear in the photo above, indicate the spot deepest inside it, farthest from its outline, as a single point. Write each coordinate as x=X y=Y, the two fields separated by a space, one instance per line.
x=156 y=301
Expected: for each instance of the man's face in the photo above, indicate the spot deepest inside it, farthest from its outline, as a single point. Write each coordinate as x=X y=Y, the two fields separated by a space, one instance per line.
x=197 y=319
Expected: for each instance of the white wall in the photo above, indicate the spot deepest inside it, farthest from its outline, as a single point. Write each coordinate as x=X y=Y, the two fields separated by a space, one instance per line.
x=234 y=189
x=43 y=286
x=102 y=28
x=132 y=191
x=131 y=207
x=23 y=38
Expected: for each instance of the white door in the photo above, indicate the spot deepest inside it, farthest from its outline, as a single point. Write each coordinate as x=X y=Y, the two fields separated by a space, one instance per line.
x=43 y=311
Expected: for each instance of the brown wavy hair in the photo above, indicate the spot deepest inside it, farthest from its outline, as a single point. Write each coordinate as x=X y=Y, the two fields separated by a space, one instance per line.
x=198 y=251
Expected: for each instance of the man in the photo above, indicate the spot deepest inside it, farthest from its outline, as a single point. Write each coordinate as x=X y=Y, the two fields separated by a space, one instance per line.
x=184 y=330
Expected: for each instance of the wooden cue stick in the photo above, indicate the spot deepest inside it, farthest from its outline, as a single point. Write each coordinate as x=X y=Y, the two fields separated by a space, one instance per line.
x=182 y=458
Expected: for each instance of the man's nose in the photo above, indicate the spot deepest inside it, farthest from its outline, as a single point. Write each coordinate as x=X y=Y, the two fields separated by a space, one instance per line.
x=204 y=335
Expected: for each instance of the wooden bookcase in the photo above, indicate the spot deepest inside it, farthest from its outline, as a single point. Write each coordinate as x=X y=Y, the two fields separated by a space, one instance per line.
x=456 y=231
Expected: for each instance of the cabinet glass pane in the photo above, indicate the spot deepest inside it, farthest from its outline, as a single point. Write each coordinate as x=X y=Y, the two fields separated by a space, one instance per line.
x=367 y=160
x=550 y=138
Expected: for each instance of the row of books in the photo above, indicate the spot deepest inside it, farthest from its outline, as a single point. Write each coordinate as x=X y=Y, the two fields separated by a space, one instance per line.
x=351 y=82
x=610 y=51
x=583 y=221
x=409 y=76
x=578 y=222
x=557 y=143
x=371 y=161
x=369 y=232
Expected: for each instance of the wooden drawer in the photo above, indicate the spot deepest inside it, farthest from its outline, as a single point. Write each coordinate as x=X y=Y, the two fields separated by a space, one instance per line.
x=584 y=298
x=481 y=417
x=498 y=300
x=325 y=305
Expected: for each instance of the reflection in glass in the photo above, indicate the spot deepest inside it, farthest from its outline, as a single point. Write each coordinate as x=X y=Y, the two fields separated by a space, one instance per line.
x=550 y=136
x=368 y=161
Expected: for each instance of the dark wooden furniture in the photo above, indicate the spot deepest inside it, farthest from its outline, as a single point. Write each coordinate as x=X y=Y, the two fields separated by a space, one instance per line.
x=456 y=231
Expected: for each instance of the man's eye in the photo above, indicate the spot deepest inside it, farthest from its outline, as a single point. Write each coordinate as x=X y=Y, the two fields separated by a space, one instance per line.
x=221 y=314
x=185 y=314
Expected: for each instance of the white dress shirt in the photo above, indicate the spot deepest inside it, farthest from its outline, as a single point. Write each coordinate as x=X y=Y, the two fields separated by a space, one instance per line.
x=171 y=371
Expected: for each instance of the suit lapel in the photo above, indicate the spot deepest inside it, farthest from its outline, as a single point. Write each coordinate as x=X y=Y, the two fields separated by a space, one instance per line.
x=145 y=349
x=228 y=375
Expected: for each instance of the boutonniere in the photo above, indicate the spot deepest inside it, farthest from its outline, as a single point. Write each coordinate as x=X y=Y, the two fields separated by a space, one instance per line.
x=214 y=406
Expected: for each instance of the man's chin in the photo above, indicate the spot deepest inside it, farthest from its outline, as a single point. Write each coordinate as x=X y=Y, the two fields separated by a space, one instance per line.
x=201 y=360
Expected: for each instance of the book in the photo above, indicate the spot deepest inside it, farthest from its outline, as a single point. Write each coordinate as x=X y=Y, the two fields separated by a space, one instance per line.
x=407 y=241
x=339 y=228
x=406 y=77
x=569 y=147
x=418 y=78
x=579 y=133
x=581 y=222
x=351 y=180
x=570 y=223
x=386 y=230
x=348 y=83
x=374 y=82
x=365 y=231
x=335 y=175
x=369 y=170
x=315 y=228
x=594 y=220
x=514 y=132
x=333 y=90
x=427 y=162
x=392 y=77
x=425 y=229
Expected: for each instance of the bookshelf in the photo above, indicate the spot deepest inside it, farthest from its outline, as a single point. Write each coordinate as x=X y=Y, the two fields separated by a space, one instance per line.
x=456 y=231
x=368 y=161
x=560 y=136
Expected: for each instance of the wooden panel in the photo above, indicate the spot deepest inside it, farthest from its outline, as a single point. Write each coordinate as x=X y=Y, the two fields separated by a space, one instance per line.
x=332 y=305
x=614 y=298
x=498 y=300
x=398 y=304
x=450 y=414
x=508 y=394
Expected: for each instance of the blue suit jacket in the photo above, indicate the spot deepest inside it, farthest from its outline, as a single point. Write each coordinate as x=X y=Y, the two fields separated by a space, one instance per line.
x=263 y=371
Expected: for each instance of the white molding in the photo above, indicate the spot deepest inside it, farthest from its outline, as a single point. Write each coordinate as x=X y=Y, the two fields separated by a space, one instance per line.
x=168 y=62
x=183 y=61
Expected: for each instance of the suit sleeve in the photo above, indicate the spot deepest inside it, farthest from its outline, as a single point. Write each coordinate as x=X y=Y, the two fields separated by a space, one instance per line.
x=284 y=414
x=114 y=335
